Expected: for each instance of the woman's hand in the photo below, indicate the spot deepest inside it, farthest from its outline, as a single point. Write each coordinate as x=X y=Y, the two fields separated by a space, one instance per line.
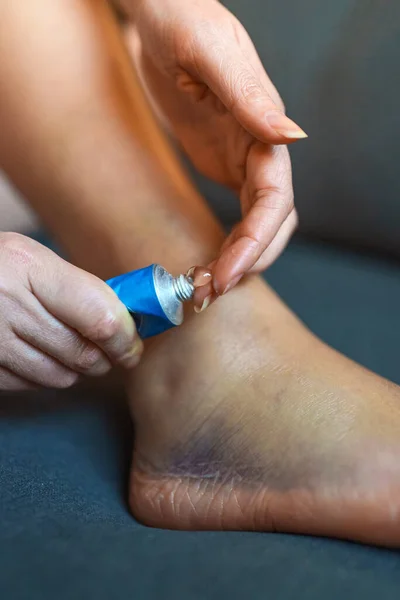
x=57 y=321
x=205 y=76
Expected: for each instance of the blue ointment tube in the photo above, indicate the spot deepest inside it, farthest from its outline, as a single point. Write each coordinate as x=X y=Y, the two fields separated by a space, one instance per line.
x=153 y=297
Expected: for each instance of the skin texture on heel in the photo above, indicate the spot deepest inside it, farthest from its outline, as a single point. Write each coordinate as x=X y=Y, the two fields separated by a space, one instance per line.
x=244 y=420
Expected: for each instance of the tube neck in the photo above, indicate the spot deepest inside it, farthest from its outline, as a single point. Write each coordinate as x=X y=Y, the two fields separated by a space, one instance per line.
x=183 y=287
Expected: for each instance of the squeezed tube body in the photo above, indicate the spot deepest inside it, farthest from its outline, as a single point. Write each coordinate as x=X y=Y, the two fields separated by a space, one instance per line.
x=153 y=297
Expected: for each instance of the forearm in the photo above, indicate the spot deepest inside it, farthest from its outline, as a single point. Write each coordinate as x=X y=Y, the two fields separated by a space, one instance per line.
x=79 y=141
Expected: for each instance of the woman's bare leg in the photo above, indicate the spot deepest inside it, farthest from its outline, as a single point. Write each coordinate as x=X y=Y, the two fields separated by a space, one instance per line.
x=14 y=214
x=244 y=419
x=78 y=139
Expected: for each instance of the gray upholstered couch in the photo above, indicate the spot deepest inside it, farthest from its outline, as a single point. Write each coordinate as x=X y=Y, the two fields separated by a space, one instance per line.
x=65 y=531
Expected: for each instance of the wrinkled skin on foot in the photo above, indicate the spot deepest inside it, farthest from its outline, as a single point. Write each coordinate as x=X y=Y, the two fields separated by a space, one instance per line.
x=244 y=420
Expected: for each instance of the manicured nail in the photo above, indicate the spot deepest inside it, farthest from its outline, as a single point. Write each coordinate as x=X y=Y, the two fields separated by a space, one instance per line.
x=199 y=275
x=190 y=272
x=135 y=354
x=131 y=360
x=232 y=284
x=206 y=304
x=135 y=360
x=137 y=346
x=285 y=126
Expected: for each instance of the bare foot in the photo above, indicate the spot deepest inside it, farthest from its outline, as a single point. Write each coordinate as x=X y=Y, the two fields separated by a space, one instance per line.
x=244 y=420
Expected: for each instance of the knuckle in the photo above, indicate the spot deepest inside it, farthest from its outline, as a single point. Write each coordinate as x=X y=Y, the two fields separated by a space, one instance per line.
x=274 y=197
x=248 y=91
x=87 y=358
x=18 y=247
x=250 y=88
x=105 y=328
x=196 y=42
x=186 y=46
x=254 y=244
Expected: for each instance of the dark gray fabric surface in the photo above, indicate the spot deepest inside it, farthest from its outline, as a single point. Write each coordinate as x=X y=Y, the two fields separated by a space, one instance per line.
x=336 y=65
x=65 y=531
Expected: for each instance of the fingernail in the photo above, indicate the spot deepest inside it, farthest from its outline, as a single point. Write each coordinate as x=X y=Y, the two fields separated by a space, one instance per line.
x=285 y=126
x=137 y=346
x=232 y=284
x=135 y=354
x=131 y=360
x=135 y=360
x=199 y=275
x=190 y=272
x=206 y=304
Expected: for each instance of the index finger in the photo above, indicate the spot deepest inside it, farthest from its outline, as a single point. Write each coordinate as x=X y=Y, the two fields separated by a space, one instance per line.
x=227 y=61
x=267 y=200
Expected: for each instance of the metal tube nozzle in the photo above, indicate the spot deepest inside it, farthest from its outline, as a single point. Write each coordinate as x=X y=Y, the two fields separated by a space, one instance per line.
x=183 y=287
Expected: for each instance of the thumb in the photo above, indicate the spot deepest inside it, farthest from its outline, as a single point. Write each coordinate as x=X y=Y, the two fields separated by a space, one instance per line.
x=233 y=71
x=84 y=303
